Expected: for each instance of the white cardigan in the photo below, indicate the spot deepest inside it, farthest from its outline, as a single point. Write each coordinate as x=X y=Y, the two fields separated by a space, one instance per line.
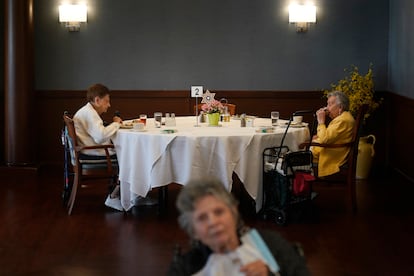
x=90 y=130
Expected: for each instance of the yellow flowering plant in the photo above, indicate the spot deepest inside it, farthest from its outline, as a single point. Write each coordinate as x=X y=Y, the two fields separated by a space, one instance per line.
x=359 y=89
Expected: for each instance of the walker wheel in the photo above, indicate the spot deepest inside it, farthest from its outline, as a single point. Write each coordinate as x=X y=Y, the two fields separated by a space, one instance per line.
x=263 y=214
x=280 y=217
x=65 y=196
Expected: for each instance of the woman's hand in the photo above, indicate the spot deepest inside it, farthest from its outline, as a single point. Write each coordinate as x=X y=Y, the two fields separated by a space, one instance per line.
x=258 y=268
x=321 y=115
x=117 y=119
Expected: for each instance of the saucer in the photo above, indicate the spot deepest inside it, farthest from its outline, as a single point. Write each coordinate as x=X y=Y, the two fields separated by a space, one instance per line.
x=293 y=124
x=301 y=124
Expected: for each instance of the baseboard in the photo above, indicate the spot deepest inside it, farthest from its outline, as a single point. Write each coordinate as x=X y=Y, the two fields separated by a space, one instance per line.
x=26 y=169
x=406 y=176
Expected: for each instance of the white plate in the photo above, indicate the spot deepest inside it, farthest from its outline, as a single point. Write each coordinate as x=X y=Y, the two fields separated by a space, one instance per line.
x=139 y=130
x=247 y=117
x=297 y=125
x=126 y=126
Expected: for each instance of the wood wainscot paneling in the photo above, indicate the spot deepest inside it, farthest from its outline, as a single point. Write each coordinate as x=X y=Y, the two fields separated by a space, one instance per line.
x=2 y=130
x=376 y=125
x=399 y=114
x=391 y=125
x=51 y=105
x=261 y=103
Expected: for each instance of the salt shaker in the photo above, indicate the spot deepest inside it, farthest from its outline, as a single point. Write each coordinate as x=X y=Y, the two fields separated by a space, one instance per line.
x=202 y=117
x=167 y=119
x=243 y=120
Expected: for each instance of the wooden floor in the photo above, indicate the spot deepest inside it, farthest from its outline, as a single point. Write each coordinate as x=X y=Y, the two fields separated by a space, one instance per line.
x=38 y=238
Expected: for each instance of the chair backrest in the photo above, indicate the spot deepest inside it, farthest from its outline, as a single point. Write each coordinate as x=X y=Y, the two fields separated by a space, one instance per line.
x=82 y=167
x=356 y=132
x=353 y=155
x=230 y=107
x=72 y=146
x=70 y=137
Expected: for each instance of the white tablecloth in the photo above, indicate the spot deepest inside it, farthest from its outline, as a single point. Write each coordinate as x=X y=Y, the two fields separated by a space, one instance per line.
x=152 y=159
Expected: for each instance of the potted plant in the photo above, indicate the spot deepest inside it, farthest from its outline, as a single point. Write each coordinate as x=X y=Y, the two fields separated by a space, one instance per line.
x=359 y=89
x=213 y=109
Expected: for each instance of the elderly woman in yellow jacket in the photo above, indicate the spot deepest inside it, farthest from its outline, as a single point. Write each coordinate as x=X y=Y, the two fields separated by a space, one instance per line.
x=339 y=130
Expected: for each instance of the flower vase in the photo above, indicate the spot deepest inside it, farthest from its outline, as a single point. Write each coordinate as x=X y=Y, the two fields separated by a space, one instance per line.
x=213 y=119
x=366 y=153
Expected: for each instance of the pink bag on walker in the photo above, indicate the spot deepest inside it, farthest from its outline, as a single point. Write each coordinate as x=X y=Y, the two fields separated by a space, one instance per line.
x=302 y=183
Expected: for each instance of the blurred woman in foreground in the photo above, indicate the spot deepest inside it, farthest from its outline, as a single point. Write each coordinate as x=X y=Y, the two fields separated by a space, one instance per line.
x=208 y=213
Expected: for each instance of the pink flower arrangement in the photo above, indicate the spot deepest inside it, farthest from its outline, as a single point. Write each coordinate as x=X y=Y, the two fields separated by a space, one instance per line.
x=213 y=106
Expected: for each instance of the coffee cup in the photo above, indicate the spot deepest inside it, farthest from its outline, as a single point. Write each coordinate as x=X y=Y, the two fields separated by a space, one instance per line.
x=138 y=126
x=249 y=122
x=297 y=119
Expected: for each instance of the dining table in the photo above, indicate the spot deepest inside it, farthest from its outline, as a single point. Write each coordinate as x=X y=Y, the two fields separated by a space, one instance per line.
x=189 y=151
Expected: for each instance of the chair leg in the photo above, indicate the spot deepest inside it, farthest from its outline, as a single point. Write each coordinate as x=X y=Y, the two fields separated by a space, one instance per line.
x=162 y=199
x=66 y=188
x=71 y=201
x=353 y=197
x=352 y=201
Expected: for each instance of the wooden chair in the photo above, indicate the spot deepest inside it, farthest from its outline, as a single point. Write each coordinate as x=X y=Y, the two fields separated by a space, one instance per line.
x=79 y=168
x=348 y=170
x=230 y=107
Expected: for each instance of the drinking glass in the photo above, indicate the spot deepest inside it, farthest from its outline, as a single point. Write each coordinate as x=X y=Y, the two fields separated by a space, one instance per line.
x=157 y=119
x=226 y=117
x=143 y=118
x=274 y=115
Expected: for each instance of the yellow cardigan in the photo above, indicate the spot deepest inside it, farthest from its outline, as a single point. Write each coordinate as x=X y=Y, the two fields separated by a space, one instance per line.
x=338 y=131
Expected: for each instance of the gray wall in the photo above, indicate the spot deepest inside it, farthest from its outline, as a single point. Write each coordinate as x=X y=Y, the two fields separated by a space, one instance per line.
x=401 y=49
x=221 y=44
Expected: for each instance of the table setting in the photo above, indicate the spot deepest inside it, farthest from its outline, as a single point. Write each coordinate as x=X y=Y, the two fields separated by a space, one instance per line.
x=187 y=148
x=159 y=155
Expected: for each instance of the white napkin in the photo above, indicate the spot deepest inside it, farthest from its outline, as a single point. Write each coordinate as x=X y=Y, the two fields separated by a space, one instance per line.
x=253 y=248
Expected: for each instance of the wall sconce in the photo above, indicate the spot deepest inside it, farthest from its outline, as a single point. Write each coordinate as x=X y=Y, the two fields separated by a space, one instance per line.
x=72 y=16
x=302 y=15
